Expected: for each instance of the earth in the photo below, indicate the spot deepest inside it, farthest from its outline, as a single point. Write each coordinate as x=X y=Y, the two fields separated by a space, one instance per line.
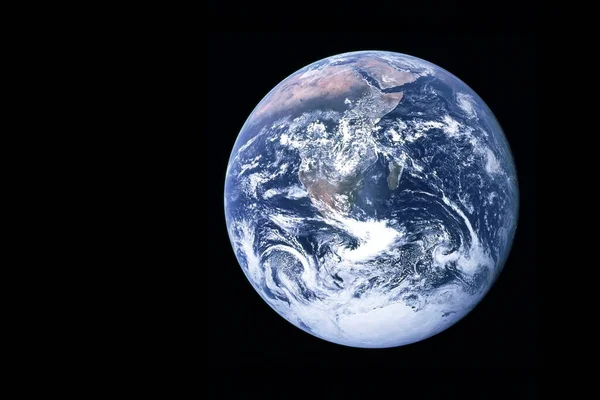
x=371 y=199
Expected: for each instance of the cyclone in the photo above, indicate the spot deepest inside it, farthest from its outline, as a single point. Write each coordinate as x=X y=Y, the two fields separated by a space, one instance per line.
x=371 y=199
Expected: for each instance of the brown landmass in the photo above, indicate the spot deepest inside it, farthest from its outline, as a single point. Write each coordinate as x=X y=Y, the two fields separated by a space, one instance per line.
x=389 y=102
x=321 y=190
x=331 y=82
x=386 y=75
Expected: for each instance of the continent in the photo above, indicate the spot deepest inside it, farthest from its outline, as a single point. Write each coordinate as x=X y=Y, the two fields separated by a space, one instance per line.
x=333 y=163
x=327 y=83
x=337 y=83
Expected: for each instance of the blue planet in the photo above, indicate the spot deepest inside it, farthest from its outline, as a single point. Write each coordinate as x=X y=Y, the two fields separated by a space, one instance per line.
x=371 y=199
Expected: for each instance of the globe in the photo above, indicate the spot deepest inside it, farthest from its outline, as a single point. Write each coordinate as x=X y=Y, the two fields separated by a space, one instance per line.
x=371 y=199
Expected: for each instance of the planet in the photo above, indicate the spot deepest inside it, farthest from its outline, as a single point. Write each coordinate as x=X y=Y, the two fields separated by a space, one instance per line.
x=371 y=199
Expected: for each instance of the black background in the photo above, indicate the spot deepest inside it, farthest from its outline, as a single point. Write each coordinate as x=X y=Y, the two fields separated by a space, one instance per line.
x=243 y=331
